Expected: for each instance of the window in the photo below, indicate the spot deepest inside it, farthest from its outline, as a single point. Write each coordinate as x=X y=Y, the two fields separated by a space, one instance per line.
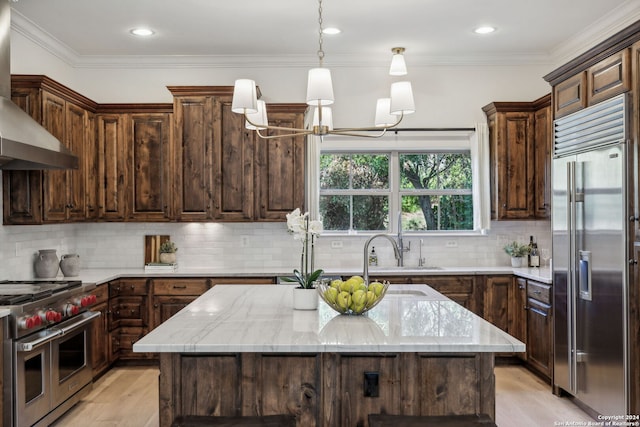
x=429 y=185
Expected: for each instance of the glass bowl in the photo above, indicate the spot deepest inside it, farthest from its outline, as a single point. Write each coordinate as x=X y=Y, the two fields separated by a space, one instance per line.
x=346 y=304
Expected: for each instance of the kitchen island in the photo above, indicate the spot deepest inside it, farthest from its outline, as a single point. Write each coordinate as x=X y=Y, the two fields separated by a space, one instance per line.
x=243 y=350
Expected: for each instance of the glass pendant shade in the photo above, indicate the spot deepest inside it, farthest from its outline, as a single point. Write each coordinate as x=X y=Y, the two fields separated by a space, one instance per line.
x=402 y=98
x=384 y=118
x=319 y=87
x=259 y=118
x=398 y=66
x=245 y=99
x=327 y=117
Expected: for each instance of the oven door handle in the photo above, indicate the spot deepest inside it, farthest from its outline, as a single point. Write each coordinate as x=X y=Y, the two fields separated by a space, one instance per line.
x=47 y=336
x=80 y=321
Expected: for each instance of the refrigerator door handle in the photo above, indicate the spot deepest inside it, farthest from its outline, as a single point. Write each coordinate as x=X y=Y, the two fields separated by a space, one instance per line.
x=585 y=275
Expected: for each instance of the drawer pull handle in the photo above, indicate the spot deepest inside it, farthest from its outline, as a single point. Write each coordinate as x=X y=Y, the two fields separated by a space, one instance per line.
x=537 y=292
x=179 y=286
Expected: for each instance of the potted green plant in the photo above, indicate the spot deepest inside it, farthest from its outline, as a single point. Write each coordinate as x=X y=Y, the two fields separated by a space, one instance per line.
x=517 y=252
x=168 y=251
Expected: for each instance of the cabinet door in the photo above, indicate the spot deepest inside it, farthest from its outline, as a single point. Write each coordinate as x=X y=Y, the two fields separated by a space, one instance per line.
x=195 y=122
x=166 y=306
x=496 y=301
x=22 y=190
x=514 y=165
x=570 y=95
x=542 y=167
x=55 y=181
x=76 y=134
x=609 y=77
x=539 y=342
x=91 y=162
x=459 y=288
x=518 y=312
x=280 y=168
x=112 y=162
x=150 y=163
x=100 y=359
x=233 y=159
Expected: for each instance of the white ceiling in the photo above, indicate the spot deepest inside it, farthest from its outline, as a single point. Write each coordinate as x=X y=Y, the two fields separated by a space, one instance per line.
x=260 y=32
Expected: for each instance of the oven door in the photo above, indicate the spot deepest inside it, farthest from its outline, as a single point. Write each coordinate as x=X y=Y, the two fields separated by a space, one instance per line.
x=71 y=357
x=32 y=374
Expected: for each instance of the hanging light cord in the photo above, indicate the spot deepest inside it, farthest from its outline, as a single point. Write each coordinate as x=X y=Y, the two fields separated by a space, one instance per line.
x=320 y=51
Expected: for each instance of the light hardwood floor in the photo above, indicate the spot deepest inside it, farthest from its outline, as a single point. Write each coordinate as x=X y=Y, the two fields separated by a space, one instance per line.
x=128 y=397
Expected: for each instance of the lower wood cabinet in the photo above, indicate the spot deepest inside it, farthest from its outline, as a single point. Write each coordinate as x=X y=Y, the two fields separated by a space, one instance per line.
x=172 y=295
x=100 y=352
x=539 y=328
x=128 y=317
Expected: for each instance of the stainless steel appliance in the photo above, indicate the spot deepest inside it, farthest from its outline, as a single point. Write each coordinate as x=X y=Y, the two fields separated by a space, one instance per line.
x=590 y=214
x=47 y=349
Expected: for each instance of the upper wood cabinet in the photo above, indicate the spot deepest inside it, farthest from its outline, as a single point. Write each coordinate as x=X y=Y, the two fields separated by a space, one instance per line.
x=32 y=197
x=520 y=158
x=224 y=172
x=280 y=165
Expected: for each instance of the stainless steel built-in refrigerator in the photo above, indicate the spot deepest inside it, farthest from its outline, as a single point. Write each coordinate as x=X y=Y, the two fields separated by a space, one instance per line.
x=590 y=255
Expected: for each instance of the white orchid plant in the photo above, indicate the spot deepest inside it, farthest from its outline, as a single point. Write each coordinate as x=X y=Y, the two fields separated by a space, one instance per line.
x=305 y=230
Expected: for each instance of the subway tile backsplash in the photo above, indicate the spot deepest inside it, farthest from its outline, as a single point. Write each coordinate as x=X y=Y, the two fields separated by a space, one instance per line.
x=239 y=245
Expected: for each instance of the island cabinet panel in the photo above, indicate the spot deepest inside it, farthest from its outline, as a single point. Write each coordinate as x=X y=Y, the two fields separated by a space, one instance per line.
x=325 y=389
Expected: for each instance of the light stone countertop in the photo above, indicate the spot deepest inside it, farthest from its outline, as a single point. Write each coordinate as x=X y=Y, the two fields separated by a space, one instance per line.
x=99 y=276
x=4 y=312
x=261 y=318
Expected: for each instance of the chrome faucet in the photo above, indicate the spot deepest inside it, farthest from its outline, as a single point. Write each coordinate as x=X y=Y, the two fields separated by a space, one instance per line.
x=401 y=247
x=421 y=260
x=396 y=252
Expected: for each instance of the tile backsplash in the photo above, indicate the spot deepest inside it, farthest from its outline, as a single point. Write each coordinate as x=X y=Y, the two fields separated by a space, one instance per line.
x=239 y=245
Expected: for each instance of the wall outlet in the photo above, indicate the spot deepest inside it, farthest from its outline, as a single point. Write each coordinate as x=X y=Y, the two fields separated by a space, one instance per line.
x=336 y=244
x=244 y=241
x=452 y=244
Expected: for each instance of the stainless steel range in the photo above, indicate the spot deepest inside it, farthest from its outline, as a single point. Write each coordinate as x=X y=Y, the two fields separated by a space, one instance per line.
x=47 y=349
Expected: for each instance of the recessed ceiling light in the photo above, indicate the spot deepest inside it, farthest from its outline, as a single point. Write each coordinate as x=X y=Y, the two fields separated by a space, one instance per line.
x=331 y=31
x=484 y=30
x=143 y=32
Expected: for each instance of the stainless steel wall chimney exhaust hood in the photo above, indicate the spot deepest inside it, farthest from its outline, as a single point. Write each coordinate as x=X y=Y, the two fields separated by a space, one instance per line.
x=24 y=144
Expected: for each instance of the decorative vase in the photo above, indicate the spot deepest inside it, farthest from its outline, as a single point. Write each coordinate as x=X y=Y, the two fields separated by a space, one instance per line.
x=70 y=265
x=517 y=261
x=46 y=264
x=305 y=299
x=168 y=257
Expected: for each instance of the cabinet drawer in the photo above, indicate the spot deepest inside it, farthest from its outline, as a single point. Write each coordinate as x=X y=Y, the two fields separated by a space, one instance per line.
x=180 y=286
x=446 y=284
x=539 y=291
x=128 y=287
x=243 y=281
x=102 y=293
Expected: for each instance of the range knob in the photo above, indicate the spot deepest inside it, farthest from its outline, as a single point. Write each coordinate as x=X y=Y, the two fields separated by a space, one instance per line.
x=29 y=322
x=71 y=310
x=88 y=300
x=50 y=316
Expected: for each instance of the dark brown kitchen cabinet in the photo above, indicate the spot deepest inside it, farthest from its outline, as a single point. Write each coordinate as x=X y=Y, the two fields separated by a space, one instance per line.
x=128 y=317
x=280 y=165
x=112 y=166
x=539 y=328
x=193 y=156
x=518 y=312
x=33 y=197
x=497 y=290
x=461 y=289
x=520 y=161
x=172 y=295
x=609 y=77
x=223 y=172
x=570 y=95
x=100 y=352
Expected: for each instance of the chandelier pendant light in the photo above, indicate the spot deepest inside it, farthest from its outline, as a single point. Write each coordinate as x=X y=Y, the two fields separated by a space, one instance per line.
x=389 y=112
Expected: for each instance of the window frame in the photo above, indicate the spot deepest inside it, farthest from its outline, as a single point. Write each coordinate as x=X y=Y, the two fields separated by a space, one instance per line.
x=396 y=144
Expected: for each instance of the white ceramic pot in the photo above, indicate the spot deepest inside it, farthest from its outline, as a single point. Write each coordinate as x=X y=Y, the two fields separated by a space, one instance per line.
x=168 y=257
x=70 y=265
x=46 y=264
x=517 y=261
x=305 y=299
